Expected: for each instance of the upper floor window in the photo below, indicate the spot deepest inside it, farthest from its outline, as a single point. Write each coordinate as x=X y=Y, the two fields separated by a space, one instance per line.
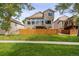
x=50 y=14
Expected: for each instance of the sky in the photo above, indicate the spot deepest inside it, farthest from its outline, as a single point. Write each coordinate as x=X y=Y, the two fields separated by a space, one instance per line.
x=42 y=7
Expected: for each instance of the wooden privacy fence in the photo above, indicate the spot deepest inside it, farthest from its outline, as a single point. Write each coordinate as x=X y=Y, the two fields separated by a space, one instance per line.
x=65 y=31
x=38 y=31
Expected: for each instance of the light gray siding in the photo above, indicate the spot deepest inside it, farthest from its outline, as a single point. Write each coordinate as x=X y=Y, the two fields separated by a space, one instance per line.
x=37 y=22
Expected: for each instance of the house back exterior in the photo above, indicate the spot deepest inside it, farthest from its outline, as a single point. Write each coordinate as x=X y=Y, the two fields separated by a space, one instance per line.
x=40 y=20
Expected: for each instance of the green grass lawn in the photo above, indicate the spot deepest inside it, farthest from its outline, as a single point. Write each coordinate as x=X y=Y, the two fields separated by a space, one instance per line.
x=41 y=38
x=23 y=49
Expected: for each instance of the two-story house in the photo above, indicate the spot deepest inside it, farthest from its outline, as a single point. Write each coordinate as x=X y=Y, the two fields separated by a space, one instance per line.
x=40 y=20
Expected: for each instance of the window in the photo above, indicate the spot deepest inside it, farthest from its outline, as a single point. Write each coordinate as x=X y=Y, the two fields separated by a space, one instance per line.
x=50 y=14
x=62 y=24
x=37 y=22
x=28 y=22
x=33 y=22
x=48 y=22
x=42 y=22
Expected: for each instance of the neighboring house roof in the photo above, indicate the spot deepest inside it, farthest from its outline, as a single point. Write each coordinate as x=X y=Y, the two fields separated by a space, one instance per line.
x=38 y=15
x=63 y=18
x=17 y=22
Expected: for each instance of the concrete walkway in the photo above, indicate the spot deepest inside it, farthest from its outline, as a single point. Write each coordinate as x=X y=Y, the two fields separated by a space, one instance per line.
x=41 y=42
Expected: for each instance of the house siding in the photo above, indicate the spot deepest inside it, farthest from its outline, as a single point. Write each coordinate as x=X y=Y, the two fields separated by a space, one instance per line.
x=46 y=16
x=40 y=16
x=33 y=26
x=15 y=27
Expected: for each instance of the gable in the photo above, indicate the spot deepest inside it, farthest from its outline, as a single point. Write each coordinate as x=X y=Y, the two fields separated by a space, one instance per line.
x=37 y=15
x=49 y=10
x=41 y=15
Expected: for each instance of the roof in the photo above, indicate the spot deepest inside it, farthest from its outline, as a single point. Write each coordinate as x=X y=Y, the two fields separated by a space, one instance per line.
x=62 y=18
x=38 y=15
x=17 y=22
x=49 y=10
